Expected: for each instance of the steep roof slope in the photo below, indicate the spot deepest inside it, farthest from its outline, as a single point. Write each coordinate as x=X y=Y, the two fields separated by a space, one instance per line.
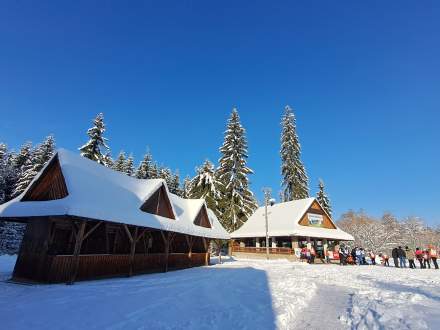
x=97 y=192
x=283 y=220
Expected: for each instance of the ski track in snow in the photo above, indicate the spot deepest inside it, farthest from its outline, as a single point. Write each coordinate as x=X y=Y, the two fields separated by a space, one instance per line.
x=239 y=294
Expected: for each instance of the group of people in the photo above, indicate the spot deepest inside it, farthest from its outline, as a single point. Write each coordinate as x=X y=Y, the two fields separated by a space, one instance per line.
x=402 y=257
x=357 y=256
x=424 y=257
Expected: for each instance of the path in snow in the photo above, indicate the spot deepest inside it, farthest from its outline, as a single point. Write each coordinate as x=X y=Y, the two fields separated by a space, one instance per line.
x=325 y=308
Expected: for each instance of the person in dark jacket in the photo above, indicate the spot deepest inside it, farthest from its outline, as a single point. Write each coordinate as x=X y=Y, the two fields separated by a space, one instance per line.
x=395 y=255
x=402 y=257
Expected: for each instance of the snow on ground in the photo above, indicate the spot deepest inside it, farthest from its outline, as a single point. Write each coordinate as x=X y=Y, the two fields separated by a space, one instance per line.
x=239 y=294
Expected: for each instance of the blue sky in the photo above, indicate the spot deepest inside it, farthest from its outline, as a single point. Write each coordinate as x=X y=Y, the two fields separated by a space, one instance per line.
x=363 y=78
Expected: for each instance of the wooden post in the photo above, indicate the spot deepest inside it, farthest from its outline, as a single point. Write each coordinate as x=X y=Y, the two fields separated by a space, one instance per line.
x=133 y=241
x=189 y=241
x=78 y=243
x=205 y=245
x=166 y=240
x=219 y=245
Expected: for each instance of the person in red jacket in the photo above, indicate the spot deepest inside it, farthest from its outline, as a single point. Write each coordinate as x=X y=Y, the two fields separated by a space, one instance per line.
x=419 y=256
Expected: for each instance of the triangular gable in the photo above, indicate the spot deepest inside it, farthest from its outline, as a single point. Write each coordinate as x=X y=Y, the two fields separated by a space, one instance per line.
x=202 y=218
x=159 y=203
x=315 y=216
x=50 y=185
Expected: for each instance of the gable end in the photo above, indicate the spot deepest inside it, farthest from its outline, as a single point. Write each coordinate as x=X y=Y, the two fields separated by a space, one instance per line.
x=51 y=184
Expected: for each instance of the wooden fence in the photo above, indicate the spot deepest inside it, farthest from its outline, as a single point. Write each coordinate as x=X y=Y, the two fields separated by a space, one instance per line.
x=277 y=250
x=106 y=265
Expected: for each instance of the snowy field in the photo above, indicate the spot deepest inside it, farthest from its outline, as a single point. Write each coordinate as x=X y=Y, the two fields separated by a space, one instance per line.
x=239 y=294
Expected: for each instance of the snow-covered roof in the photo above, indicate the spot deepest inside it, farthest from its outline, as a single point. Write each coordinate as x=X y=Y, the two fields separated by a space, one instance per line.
x=97 y=192
x=283 y=220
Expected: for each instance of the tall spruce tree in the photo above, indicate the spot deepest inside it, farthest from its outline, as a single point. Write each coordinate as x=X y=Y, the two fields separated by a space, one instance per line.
x=186 y=187
x=295 y=180
x=3 y=171
x=166 y=174
x=119 y=164
x=175 y=184
x=34 y=164
x=97 y=141
x=237 y=201
x=145 y=169
x=23 y=165
x=129 y=166
x=108 y=160
x=323 y=199
x=205 y=185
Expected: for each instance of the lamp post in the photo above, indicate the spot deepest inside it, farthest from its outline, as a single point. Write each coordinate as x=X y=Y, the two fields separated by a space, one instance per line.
x=267 y=200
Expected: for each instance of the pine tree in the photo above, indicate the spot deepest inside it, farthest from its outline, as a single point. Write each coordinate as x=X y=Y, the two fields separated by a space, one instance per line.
x=119 y=164
x=145 y=169
x=24 y=168
x=175 y=184
x=155 y=171
x=108 y=160
x=3 y=172
x=166 y=174
x=323 y=199
x=37 y=159
x=129 y=166
x=186 y=187
x=92 y=149
x=8 y=173
x=43 y=153
x=205 y=185
x=295 y=181
x=237 y=201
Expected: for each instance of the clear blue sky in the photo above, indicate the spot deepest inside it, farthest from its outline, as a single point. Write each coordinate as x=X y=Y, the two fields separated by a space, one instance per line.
x=363 y=78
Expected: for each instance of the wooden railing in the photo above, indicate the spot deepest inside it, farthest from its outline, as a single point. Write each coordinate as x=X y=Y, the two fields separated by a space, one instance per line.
x=277 y=250
x=108 y=265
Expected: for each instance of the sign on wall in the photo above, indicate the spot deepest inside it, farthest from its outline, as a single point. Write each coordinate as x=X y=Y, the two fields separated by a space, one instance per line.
x=315 y=219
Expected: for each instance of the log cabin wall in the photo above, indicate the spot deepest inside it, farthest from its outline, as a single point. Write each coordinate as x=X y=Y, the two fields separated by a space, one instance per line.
x=47 y=250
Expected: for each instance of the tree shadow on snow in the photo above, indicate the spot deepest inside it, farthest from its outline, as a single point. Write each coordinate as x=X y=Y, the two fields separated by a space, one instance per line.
x=197 y=298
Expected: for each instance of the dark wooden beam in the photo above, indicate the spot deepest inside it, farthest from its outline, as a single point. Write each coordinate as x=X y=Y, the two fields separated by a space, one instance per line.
x=92 y=230
x=77 y=251
x=133 y=250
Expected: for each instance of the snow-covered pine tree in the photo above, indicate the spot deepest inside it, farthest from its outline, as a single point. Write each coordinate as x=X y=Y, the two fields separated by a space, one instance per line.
x=237 y=201
x=3 y=172
x=43 y=153
x=295 y=180
x=175 y=184
x=166 y=174
x=92 y=149
x=35 y=163
x=323 y=199
x=8 y=173
x=186 y=187
x=119 y=164
x=108 y=160
x=129 y=166
x=155 y=171
x=205 y=185
x=24 y=168
x=145 y=169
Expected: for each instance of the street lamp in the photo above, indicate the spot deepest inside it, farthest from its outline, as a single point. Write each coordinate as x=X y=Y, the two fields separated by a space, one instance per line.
x=267 y=201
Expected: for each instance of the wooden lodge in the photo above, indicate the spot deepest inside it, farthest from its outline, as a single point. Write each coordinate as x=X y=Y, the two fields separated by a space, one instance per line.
x=85 y=221
x=291 y=226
